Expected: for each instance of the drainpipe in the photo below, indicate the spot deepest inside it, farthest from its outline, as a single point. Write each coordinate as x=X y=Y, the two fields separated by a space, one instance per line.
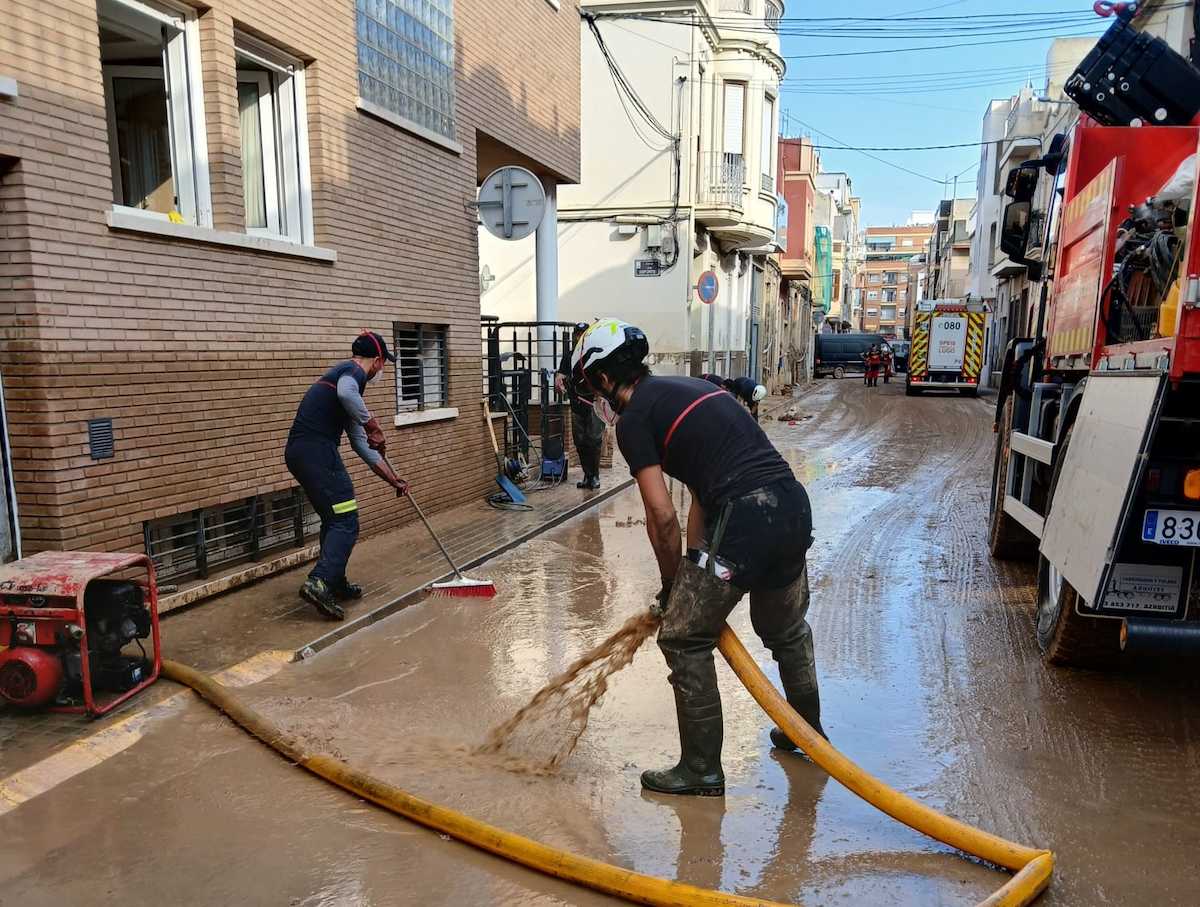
x=546 y=268
x=10 y=489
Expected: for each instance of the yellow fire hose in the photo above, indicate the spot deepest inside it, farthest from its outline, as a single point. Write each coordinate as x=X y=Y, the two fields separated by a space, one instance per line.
x=1033 y=866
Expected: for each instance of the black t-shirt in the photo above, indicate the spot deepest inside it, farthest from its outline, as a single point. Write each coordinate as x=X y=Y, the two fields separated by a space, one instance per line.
x=718 y=449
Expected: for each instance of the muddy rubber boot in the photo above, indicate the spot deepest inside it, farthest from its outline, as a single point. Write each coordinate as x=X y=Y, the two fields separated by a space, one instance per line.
x=808 y=704
x=593 y=483
x=318 y=593
x=347 y=591
x=585 y=482
x=698 y=772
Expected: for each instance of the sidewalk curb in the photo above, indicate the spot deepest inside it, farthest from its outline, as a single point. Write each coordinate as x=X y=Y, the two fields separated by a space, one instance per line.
x=403 y=600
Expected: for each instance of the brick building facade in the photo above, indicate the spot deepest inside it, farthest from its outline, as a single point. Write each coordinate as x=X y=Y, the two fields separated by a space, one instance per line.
x=886 y=292
x=187 y=275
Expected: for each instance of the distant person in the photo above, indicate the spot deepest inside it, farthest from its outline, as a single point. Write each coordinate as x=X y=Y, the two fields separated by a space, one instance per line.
x=587 y=430
x=745 y=389
x=886 y=357
x=873 y=361
x=333 y=405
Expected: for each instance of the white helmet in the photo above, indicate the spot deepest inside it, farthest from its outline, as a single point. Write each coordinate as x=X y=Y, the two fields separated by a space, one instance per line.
x=610 y=345
x=759 y=393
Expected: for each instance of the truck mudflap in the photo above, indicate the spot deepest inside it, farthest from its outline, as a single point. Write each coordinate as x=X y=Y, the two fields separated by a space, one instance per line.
x=1094 y=503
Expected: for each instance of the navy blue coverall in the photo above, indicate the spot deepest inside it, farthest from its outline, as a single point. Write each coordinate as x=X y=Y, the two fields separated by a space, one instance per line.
x=333 y=405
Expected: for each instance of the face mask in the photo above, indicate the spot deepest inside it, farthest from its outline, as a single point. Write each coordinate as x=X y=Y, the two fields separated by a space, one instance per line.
x=605 y=411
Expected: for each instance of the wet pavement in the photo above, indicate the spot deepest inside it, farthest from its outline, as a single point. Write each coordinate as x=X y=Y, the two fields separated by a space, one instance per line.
x=930 y=679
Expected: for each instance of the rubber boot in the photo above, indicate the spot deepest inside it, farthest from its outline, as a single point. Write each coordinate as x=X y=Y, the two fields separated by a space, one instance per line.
x=585 y=482
x=593 y=483
x=318 y=592
x=698 y=771
x=346 y=590
x=800 y=686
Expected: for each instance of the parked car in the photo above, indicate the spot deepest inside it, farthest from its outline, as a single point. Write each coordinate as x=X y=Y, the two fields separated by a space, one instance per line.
x=841 y=354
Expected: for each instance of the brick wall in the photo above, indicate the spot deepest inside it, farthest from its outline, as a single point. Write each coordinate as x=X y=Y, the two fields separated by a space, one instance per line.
x=200 y=352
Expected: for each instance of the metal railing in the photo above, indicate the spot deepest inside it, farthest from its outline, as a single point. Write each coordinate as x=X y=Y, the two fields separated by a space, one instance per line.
x=774 y=12
x=722 y=180
x=519 y=362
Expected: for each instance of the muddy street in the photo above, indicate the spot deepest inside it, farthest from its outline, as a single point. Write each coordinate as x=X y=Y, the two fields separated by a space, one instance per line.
x=930 y=679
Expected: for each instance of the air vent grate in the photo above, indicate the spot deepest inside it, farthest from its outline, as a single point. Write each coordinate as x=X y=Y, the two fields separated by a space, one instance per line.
x=100 y=438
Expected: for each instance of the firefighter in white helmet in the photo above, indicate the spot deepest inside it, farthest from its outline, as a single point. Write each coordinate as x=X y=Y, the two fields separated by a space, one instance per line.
x=749 y=528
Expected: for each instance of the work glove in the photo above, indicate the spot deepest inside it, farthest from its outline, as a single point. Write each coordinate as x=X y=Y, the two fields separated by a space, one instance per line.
x=385 y=472
x=375 y=438
x=659 y=608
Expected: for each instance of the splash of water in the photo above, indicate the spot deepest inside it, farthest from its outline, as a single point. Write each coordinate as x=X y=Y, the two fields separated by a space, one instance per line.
x=540 y=737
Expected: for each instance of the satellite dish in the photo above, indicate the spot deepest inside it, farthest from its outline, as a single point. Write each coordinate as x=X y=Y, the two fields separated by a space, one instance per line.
x=511 y=203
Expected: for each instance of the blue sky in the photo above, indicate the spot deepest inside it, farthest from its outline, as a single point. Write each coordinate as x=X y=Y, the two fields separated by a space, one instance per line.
x=847 y=97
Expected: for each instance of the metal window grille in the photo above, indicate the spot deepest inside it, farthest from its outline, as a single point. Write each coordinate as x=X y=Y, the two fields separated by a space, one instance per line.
x=422 y=367
x=190 y=545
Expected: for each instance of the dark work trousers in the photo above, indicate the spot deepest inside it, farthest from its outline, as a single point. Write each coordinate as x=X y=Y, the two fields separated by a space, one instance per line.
x=766 y=541
x=587 y=431
x=319 y=469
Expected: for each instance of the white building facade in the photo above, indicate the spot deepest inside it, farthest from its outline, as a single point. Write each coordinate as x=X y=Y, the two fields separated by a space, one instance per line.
x=678 y=183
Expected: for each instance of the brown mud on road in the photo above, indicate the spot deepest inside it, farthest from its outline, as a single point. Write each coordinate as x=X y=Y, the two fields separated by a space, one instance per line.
x=930 y=679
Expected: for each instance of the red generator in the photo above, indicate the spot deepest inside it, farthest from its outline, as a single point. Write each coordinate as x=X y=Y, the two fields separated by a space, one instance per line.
x=66 y=619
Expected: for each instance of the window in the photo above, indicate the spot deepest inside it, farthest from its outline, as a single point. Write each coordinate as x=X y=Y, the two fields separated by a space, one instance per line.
x=874 y=278
x=189 y=545
x=734 y=122
x=907 y=243
x=889 y=295
x=149 y=57
x=773 y=12
x=275 y=171
x=872 y=311
x=873 y=294
x=768 y=144
x=887 y=313
x=422 y=367
x=406 y=64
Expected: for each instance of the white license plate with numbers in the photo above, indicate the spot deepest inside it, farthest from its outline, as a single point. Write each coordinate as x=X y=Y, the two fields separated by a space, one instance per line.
x=1172 y=527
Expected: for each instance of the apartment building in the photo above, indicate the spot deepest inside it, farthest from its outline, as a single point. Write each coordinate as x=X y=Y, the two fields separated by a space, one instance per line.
x=675 y=215
x=843 y=251
x=884 y=284
x=949 y=249
x=1015 y=130
x=201 y=205
x=799 y=166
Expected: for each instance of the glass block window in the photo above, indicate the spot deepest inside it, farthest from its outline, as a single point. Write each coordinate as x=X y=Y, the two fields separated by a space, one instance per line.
x=406 y=60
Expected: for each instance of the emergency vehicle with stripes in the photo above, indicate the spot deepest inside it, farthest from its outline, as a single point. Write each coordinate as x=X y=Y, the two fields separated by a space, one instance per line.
x=947 y=346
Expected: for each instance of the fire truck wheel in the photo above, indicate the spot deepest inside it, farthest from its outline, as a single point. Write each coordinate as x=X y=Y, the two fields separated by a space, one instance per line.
x=1065 y=636
x=910 y=391
x=969 y=391
x=1008 y=540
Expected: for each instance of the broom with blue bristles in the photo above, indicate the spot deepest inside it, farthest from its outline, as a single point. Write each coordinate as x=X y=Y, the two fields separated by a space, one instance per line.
x=461 y=586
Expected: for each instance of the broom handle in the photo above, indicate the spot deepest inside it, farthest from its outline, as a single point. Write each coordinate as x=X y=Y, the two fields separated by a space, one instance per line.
x=425 y=520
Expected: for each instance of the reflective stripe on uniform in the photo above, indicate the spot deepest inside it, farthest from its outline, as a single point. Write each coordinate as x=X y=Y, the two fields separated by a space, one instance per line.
x=346 y=506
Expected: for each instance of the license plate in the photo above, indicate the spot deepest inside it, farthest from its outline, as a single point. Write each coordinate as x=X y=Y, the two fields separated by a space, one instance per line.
x=1172 y=527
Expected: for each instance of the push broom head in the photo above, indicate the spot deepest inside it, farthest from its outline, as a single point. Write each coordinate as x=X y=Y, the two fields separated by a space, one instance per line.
x=464 y=588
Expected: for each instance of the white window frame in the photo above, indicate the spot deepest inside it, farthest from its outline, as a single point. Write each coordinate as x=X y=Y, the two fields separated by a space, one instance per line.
x=284 y=118
x=741 y=86
x=266 y=125
x=768 y=137
x=181 y=73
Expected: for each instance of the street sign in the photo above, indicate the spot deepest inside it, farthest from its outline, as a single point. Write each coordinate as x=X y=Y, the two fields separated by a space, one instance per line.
x=512 y=202
x=707 y=287
x=647 y=267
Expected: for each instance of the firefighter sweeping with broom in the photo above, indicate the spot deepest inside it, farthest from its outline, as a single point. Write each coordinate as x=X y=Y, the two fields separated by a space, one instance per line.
x=331 y=406
x=748 y=530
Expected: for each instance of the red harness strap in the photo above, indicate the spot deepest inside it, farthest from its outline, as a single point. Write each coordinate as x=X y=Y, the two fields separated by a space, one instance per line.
x=683 y=415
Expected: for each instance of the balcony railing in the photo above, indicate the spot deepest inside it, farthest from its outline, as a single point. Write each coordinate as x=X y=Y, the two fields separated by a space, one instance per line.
x=768 y=183
x=774 y=12
x=722 y=180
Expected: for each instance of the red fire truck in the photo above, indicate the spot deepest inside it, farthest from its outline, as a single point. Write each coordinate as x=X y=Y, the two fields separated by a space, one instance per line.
x=1097 y=462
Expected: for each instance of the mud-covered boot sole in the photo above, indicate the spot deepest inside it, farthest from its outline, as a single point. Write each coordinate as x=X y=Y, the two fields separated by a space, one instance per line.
x=331 y=610
x=686 y=790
